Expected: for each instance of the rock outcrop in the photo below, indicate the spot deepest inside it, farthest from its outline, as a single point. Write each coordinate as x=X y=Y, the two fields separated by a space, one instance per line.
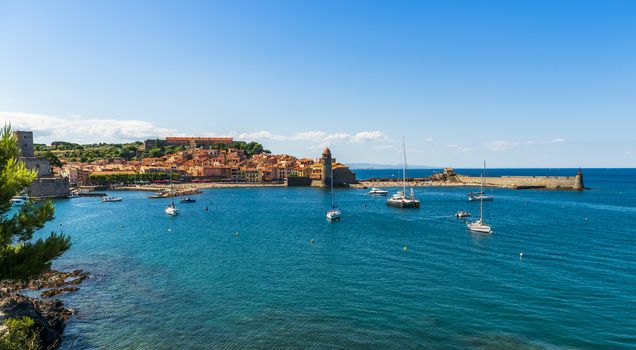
x=49 y=316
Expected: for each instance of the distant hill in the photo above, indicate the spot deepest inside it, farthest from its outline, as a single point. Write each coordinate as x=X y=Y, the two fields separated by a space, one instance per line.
x=387 y=166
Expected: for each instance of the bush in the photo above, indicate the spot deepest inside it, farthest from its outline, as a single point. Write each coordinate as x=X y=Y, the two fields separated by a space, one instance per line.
x=19 y=334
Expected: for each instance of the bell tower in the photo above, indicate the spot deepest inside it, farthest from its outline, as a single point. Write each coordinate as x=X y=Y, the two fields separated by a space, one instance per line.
x=326 y=160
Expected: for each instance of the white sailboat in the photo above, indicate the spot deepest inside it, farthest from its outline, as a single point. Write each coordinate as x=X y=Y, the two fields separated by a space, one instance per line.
x=480 y=225
x=401 y=199
x=172 y=209
x=334 y=213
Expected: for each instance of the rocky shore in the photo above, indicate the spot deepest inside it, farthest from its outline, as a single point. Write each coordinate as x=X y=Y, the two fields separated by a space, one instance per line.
x=49 y=315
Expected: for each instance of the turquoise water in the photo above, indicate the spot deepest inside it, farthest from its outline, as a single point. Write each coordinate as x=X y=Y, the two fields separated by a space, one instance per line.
x=189 y=282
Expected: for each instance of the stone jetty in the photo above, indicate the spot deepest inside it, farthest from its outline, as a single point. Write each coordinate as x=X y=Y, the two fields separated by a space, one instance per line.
x=450 y=178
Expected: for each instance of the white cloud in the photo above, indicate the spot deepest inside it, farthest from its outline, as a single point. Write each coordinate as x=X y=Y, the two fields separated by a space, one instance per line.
x=558 y=140
x=309 y=135
x=259 y=135
x=500 y=145
x=318 y=138
x=428 y=139
x=91 y=130
x=460 y=149
x=85 y=130
x=368 y=135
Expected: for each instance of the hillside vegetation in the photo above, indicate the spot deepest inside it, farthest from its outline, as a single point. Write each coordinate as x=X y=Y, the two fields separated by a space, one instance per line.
x=66 y=151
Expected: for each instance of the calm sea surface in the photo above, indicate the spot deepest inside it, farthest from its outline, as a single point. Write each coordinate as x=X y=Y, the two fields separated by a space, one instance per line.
x=190 y=282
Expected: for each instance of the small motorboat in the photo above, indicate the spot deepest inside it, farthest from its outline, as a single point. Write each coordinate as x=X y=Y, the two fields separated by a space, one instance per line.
x=378 y=192
x=188 y=200
x=334 y=214
x=112 y=199
x=19 y=201
x=479 y=196
x=462 y=214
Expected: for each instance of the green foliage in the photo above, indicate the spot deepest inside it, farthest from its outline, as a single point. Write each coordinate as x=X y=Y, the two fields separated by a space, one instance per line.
x=160 y=151
x=19 y=334
x=53 y=159
x=20 y=258
x=92 y=152
x=251 y=148
x=107 y=179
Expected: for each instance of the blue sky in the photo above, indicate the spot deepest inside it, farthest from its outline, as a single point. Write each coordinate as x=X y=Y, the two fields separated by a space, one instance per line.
x=518 y=83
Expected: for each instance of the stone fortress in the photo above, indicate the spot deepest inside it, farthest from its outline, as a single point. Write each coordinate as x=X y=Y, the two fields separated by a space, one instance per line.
x=46 y=185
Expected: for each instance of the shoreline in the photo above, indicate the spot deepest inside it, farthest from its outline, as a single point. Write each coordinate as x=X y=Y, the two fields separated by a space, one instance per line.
x=363 y=184
x=48 y=314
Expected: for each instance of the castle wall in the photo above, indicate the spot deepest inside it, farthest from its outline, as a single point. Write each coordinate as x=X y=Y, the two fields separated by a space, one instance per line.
x=49 y=187
x=41 y=165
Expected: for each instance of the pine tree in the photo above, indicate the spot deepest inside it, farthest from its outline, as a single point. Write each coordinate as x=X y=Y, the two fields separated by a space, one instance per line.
x=20 y=257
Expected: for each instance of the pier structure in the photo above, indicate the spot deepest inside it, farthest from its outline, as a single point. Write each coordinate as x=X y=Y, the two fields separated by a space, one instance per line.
x=450 y=178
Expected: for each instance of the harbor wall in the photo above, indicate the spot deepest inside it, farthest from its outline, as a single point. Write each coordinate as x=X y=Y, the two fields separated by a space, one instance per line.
x=298 y=181
x=549 y=182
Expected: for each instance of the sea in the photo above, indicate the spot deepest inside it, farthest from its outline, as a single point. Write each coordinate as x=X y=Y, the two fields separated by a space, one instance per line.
x=261 y=268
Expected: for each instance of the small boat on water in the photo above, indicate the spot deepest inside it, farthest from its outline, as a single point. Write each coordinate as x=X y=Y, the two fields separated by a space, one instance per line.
x=18 y=201
x=172 y=209
x=401 y=199
x=334 y=214
x=479 y=225
x=188 y=200
x=462 y=214
x=479 y=196
x=112 y=199
x=378 y=192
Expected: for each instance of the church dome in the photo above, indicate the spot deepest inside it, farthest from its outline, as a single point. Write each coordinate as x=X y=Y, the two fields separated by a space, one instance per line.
x=326 y=152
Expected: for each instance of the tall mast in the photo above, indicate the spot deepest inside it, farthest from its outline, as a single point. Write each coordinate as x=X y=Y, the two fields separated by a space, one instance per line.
x=171 y=188
x=331 y=181
x=404 y=168
x=481 y=196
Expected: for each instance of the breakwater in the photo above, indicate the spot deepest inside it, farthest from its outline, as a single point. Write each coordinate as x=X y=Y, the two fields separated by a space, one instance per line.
x=450 y=179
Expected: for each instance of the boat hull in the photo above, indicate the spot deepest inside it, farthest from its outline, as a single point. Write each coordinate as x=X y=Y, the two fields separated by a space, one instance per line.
x=334 y=215
x=479 y=227
x=172 y=212
x=415 y=204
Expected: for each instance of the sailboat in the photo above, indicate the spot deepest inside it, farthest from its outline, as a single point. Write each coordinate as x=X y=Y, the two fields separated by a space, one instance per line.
x=334 y=213
x=480 y=225
x=172 y=209
x=401 y=199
